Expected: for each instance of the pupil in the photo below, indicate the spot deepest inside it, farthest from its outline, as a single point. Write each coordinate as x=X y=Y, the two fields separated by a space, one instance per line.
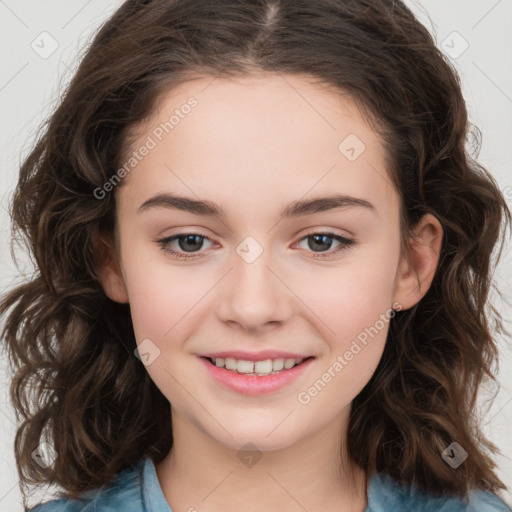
x=189 y=239
x=318 y=240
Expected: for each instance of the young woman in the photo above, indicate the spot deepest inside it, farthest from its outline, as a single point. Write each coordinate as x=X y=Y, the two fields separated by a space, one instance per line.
x=263 y=263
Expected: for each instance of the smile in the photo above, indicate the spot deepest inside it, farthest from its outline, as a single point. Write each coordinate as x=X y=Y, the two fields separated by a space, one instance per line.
x=266 y=367
x=257 y=377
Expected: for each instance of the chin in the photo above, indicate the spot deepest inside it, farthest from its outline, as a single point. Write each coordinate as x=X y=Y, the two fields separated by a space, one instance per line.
x=269 y=435
x=256 y=441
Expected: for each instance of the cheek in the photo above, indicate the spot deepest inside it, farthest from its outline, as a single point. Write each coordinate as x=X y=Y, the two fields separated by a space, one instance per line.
x=351 y=299
x=355 y=318
x=146 y=302
x=354 y=312
x=161 y=297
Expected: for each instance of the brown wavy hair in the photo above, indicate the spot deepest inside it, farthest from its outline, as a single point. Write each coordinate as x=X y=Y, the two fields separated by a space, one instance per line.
x=76 y=382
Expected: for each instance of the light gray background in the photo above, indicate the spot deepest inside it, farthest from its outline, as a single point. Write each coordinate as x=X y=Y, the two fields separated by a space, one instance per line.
x=31 y=81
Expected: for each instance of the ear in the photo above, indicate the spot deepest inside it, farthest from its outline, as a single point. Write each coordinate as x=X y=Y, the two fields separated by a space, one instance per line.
x=416 y=270
x=108 y=268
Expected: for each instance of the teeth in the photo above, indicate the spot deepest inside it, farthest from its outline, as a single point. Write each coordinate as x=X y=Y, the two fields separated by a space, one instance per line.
x=263 y=366
x=245 y=366
x=278 y=364
x=266 y=367
x=230 y=363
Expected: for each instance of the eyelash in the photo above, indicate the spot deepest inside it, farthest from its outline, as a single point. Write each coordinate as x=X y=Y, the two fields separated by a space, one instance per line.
x=164 y=244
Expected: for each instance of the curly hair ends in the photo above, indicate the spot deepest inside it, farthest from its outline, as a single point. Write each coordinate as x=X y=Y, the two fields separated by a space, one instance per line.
x=76 y=382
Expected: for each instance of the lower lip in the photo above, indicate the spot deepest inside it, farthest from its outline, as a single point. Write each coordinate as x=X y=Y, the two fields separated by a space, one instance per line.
x=252 y=384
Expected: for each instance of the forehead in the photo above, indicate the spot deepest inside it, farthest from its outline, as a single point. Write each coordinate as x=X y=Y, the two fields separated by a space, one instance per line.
x=261 y=137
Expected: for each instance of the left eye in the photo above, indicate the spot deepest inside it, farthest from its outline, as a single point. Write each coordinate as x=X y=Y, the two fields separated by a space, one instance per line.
x=190 y=243
x=320 y=240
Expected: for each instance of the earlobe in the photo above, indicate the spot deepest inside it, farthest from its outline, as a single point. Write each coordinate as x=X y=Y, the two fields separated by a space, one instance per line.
x=416 y=272
x=109 y=270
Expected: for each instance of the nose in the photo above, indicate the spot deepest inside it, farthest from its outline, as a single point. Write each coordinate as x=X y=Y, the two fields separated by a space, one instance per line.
x=253 y=296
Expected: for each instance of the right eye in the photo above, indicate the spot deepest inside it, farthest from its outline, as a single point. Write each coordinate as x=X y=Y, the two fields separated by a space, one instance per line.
x=186 y=241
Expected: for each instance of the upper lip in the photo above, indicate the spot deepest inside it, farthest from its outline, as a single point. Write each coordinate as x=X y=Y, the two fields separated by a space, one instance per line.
x=255 y=356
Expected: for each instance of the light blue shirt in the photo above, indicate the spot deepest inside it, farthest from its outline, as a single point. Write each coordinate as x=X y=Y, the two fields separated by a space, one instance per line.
x=137 y=489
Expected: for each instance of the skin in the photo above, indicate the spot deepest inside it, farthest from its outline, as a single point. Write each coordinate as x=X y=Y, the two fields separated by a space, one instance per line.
x=253 y=145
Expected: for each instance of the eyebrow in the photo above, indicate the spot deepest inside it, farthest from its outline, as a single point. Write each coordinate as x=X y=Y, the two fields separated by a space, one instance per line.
x=294 y=209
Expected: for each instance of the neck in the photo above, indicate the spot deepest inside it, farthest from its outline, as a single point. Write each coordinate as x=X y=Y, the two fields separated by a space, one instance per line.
x=314 y=473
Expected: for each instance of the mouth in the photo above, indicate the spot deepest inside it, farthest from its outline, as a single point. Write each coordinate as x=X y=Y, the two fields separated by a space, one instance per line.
x=255 y=374
x=261 y=368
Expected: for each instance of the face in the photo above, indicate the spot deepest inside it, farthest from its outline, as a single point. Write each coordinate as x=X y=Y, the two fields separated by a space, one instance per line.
x=267 y=269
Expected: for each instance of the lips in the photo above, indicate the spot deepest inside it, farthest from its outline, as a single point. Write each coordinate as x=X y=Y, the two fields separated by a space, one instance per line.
x=253 y=373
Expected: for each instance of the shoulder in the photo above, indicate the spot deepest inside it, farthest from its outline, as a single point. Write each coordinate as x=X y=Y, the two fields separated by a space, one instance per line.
x=386 y=495
x=123 y=493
